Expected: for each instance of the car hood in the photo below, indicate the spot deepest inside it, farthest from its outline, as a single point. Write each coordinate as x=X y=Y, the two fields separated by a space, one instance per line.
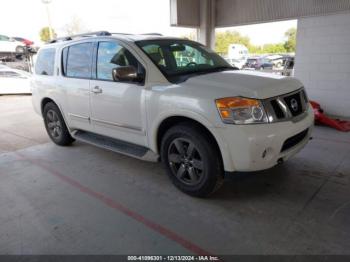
x=244 y=83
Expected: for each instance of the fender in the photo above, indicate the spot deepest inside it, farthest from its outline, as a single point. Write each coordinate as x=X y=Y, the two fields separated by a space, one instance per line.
x=153 y=132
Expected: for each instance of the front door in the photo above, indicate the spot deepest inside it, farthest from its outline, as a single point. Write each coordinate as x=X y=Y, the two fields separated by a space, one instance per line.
x=116 y=107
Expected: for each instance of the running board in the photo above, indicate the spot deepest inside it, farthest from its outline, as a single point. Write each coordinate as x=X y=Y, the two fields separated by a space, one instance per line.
x=116 y=145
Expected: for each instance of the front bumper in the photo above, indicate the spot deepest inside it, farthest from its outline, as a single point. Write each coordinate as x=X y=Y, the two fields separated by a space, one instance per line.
x=258 y=147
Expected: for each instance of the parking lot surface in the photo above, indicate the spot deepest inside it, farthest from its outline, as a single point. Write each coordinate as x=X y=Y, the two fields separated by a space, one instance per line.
x=85 y=200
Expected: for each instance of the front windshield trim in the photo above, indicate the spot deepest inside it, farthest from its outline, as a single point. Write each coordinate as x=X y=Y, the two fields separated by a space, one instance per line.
x=181 y=76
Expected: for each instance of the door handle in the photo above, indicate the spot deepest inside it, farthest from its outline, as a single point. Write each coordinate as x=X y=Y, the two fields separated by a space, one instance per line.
x=97 y=90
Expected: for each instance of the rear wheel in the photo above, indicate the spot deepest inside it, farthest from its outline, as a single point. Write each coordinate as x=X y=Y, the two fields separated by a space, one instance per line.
x=192 y=160
x=55 y=125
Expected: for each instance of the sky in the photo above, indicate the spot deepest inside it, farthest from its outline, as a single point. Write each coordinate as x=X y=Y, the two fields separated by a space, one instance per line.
x=25 y=18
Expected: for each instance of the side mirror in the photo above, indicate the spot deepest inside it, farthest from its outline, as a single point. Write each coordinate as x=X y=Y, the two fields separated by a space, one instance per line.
x=125 y=74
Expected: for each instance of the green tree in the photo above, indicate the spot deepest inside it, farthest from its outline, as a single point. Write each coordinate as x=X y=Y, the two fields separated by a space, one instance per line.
x=45 y=34
x=273 y=48
x=290 y=43
x=224 y=39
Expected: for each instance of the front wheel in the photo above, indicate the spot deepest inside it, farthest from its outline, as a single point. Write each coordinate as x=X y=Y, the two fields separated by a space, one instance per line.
x=55 y=125
x=192 y=160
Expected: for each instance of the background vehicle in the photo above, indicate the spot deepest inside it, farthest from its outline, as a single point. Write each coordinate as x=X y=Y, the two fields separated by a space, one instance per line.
x=24 y=41
x=237 y=55
x=258 y=63
x=276 y=60
x=154 y=97
x=10 y=45
x=13 y=81
x=288 y=66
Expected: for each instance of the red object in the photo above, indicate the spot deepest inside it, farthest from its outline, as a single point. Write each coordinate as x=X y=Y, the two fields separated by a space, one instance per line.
x=322 y=119
x=27 y=42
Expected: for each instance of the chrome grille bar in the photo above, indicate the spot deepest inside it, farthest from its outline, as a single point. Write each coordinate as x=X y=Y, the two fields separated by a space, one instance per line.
x=280 y=101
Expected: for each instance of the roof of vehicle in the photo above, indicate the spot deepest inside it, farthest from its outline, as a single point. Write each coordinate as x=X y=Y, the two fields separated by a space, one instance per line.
x=105 y=34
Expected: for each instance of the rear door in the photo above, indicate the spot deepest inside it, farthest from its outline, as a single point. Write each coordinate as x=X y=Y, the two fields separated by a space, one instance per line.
x=75 y=84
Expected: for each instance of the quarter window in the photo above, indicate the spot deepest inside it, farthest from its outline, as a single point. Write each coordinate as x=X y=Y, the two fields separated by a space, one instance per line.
x=76 y=60
x=111 y=55
x=45 y=62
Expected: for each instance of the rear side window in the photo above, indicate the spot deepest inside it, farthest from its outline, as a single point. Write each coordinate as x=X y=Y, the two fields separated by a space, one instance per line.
x=45 y=62
x=76 y=60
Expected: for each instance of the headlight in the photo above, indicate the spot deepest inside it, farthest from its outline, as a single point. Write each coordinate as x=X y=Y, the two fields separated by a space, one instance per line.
x=239 y=110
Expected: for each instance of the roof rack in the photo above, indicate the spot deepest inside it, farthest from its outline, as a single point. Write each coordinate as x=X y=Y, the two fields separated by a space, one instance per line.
x=98 y=33
x=71 y=37
x=152 y=34
x=137 y=34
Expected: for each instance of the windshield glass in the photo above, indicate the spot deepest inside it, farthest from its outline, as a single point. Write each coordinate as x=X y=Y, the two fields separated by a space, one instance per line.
x=181 y=59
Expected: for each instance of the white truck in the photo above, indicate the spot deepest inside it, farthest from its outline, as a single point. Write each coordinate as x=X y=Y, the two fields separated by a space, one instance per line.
x=134 y=95
x=237 y=55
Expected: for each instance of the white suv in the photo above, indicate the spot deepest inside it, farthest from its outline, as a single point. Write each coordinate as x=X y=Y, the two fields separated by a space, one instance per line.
x=134 y=95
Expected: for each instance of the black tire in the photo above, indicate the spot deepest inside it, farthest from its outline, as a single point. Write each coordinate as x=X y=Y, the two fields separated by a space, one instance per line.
x=205 y=154
x=55 y=126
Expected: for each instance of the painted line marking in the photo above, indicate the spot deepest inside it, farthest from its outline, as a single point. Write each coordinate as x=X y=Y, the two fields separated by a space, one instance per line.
x=119 y=207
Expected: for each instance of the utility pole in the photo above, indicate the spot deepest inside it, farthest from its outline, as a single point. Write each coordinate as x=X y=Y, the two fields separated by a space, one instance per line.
x=47 y=2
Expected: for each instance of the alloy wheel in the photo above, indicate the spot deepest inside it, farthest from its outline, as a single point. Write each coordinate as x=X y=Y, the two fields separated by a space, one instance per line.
x=185 y=161
x=54 y=124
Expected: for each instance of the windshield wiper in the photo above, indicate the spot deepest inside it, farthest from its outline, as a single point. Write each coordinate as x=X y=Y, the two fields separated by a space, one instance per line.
x=222 y=68
x=205 y=71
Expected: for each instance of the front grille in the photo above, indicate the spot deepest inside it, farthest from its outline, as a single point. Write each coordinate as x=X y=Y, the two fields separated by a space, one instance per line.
x=294 y=140
x=286 y=107
x=278 y=111
x=294 y=104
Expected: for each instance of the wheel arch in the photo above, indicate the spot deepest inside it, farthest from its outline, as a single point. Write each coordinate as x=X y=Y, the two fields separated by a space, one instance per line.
x=171 y=121
x=46 y=100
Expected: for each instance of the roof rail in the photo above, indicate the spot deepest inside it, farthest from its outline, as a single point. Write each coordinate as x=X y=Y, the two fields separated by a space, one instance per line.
x=71 y=37
x=120 y=33
x=152 y=34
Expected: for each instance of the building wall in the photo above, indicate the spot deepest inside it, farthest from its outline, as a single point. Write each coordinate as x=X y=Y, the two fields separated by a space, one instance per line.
x=323 y=61
x=241 y=12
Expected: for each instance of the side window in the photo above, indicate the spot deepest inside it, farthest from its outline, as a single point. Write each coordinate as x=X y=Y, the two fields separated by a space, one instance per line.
x=45 y=62
x=111 y=55
x=156 y=54
x=64 y=60
x=78 y=60
x=4 y=38
x=186 y=55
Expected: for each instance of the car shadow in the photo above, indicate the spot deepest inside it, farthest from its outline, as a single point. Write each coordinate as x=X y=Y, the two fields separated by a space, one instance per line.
x=246 y=185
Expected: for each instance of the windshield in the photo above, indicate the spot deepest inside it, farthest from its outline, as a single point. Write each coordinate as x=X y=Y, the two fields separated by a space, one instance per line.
x=181 y=59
